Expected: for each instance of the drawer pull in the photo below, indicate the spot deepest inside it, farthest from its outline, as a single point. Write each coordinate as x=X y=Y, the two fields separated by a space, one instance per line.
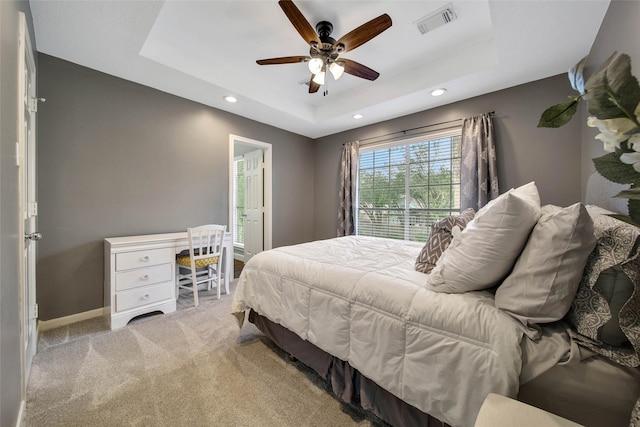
x=145 y=277
x=145 y=258
x=146 y=296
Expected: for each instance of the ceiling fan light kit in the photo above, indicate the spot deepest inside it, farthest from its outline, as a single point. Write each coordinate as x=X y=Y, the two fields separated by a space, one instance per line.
x=318 y=78
x=315 y=65
x=336 y=69
x=325 y=50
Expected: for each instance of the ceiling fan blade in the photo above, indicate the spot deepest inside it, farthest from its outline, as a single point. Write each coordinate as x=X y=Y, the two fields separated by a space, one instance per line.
x=356 y=69
x=299 y=21
x=313 y=86
x=364 y=33
x=283 y=60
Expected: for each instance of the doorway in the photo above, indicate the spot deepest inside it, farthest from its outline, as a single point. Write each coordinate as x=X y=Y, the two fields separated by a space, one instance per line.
x=250 y=178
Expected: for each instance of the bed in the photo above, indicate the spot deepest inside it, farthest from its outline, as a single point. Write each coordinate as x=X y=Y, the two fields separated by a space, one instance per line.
x=422 y=349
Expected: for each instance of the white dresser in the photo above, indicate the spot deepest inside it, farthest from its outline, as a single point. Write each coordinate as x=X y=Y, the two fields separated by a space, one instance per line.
x=140 y=274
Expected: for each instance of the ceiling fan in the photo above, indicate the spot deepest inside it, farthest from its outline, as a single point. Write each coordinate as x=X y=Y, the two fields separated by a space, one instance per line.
x=325 y=51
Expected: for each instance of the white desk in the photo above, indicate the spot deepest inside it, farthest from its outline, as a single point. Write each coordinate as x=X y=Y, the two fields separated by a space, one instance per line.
x=140 y=274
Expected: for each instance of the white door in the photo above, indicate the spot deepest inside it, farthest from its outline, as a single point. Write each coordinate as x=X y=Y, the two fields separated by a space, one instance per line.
x=28 y=205
x=253 y=204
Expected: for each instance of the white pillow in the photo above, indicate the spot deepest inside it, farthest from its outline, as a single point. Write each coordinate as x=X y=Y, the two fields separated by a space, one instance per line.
x=545 y=278
x=485 y=251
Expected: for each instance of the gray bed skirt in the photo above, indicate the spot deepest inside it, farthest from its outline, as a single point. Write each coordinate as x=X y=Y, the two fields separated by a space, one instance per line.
x=593 y=392
x=346 y=383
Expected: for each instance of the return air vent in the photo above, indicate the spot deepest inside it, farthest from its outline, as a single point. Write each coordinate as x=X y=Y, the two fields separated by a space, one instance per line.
x=436 y=19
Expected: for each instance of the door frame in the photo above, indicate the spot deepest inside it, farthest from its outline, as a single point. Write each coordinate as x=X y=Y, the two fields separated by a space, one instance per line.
x=27 y=189
x=267 y=199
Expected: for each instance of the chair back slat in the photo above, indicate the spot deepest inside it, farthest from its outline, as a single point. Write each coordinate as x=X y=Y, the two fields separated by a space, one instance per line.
x=205 y=241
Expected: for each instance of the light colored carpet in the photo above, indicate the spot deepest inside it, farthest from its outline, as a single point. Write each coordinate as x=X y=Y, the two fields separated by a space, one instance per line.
x=193 y=367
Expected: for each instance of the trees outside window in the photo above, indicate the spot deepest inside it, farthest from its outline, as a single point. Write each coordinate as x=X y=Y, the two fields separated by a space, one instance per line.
x=403 y=188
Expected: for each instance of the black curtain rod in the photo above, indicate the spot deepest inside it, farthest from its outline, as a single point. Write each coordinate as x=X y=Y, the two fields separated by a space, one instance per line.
x=492 y=113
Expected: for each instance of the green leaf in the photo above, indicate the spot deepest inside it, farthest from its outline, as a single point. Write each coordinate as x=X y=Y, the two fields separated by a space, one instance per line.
x=558 y=115
x=633 y=131
x=627 y=219
x=631 y=193
x=613 y=92
x=634 y=211
x=610 y=167
x=576 y=77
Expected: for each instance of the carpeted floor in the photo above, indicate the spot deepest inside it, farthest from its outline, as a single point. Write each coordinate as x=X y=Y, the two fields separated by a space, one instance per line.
x=193 y=367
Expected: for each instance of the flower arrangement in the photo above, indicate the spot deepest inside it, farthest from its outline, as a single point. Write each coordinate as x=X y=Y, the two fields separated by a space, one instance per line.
x=612 y=94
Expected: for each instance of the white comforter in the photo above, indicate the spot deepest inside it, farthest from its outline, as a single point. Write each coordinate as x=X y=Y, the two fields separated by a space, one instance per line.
x=360 y=299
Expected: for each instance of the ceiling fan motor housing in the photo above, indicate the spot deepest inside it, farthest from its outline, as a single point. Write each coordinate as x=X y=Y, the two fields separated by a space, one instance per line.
x=324 y=29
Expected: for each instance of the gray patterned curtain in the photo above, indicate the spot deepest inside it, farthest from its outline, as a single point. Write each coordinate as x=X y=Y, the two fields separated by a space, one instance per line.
x=347 y=192
x=479 y=172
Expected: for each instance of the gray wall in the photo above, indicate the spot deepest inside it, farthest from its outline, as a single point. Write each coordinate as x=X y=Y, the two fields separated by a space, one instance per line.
x=113 y=156
x=117 y=158
x=10 y=319
x=525 y=153
x=620 y=31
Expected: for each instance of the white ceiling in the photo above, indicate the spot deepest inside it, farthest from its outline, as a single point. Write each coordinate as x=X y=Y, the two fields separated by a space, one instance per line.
x=204 y=50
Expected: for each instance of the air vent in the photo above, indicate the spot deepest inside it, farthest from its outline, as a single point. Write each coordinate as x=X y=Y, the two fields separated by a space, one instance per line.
x=436 y=19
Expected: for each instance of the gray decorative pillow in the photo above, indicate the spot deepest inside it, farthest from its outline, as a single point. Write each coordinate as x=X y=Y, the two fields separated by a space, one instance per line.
x=544 y=280
x=618 y=246
x=439 y=239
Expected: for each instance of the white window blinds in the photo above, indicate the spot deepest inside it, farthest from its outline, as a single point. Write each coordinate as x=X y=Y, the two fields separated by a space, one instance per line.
x=404 y=186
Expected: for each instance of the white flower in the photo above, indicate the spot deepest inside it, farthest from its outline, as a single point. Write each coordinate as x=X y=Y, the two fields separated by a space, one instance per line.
x=634 y=142
x=612 y=131
x=631 y=159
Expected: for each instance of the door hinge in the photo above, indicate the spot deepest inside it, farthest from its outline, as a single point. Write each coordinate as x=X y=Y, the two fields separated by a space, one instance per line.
x=34 y=311
x=33 y=105
x=33 y=209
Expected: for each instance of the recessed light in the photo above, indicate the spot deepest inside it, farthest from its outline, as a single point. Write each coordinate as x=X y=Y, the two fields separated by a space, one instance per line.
x=438 y=92
x=357 y=116
x=230 y=98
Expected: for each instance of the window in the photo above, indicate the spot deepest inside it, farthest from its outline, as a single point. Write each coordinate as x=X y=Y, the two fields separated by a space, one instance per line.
x=405 y=186
x=238 y=202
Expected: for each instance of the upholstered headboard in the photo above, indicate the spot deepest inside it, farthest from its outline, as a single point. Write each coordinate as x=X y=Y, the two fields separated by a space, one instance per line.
x=600 y=191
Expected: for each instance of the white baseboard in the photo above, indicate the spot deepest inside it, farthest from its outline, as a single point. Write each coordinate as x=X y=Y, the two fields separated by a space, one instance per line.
x=44 y=325
x=23 y=405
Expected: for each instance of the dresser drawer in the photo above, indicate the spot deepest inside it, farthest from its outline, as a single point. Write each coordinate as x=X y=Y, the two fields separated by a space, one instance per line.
x=143 y=296
x=138 y=259
x=143 y=277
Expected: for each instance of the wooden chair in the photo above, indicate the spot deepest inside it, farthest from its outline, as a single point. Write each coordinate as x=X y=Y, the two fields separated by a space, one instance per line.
x=204 y=261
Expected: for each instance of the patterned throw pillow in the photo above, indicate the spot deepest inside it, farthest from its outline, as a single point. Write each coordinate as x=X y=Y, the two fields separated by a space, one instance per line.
x=439 y=239
x=635 y=415
x=618 y=246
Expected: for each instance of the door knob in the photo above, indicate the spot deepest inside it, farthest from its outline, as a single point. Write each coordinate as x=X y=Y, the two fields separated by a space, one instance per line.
x=33 y=236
